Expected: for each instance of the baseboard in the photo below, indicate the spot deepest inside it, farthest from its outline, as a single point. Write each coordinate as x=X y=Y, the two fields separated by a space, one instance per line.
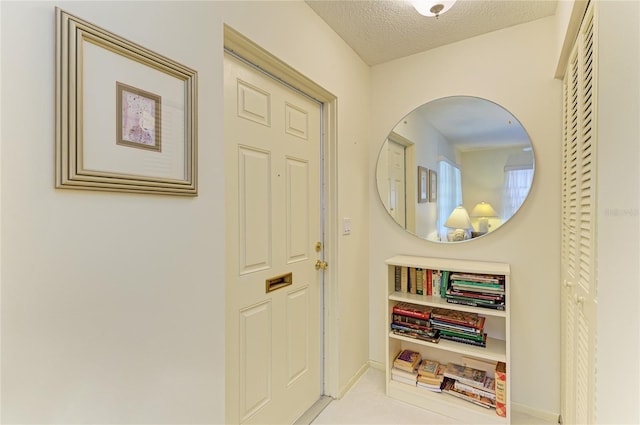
x=544 y=415
x=352 y=381
x=377 y=365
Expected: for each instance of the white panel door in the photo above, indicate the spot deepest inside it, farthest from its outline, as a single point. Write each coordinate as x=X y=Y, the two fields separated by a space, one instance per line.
x=579 y=292
x=396 y=170
x=272 y=159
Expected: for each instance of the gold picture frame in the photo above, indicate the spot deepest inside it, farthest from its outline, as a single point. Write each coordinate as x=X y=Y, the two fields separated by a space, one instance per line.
x=93 y=69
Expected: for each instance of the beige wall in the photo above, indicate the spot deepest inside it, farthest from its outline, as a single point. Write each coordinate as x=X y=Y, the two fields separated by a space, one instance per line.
x=113 y=304
x=514 y=68
x=618 y=213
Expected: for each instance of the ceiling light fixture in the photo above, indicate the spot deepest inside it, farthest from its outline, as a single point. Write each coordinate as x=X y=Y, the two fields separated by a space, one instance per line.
x=432 y=7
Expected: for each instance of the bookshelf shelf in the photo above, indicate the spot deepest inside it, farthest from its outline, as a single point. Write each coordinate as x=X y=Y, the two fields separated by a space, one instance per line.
x=495 y=350
x=439 y=302
x=497 y=328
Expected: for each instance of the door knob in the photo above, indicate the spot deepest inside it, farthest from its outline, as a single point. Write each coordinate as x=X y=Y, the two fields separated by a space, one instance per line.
x=321 y=265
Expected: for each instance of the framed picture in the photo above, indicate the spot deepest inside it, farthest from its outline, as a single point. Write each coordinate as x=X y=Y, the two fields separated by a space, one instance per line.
x=138 y=118
x=423 y=184
x=126 y=117
x=433 y=186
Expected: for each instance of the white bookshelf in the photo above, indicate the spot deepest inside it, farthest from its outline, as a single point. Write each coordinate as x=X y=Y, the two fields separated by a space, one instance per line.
x=496 y=327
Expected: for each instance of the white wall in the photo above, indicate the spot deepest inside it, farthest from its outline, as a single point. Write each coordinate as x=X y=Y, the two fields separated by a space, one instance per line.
x=514 y=68
x=113 y=304
x=618 y=213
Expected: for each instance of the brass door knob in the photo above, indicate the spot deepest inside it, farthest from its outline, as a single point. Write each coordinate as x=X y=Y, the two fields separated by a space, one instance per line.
x=321 y=265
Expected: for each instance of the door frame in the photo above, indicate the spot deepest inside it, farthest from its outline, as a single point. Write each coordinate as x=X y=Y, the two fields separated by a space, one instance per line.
x=243 y=47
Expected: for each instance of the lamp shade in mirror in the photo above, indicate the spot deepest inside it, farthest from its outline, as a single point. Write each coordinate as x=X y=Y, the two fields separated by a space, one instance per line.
x=455 y=151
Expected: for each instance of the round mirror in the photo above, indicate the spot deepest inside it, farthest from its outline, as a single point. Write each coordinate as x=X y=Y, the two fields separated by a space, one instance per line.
x=455 y=169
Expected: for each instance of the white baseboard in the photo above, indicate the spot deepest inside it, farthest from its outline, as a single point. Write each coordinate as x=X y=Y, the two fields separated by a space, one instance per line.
x=549 y=417
x=352 y=381
x=376 y=365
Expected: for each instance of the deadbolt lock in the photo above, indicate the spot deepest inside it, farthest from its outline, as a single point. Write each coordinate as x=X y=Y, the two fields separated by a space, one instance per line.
x=321 y=265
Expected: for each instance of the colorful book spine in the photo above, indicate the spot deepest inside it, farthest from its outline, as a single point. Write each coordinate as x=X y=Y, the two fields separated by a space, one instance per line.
x=475 y=303
x=436 y=275
x=444 y=283
x=501 y=389
x=419 y=281
x=404 y=279
x=412 y=280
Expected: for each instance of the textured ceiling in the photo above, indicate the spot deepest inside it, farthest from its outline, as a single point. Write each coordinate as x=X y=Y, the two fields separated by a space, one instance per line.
x=383 y=30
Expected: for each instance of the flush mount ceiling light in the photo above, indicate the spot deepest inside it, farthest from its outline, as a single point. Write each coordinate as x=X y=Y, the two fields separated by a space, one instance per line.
x=432 y=7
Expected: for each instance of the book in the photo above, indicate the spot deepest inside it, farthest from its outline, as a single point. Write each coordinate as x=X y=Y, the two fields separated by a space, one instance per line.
x=473 y=303
x=476 y=295
x=458 y=317
x=437 y=380
x=476 y=286
x=488 y=390
x=429 y=387
x=407 y=328
x=419 y=281
x=412 y=280
x=403 y=380
x=448 y=386
x=396 y=278
x=477 y=277
x=501 y=389
x=407 y=360
x=411 y=327
x=444 y=283
x=416 y=334
x=404 y=279
x=482 y=343
x=472 y=298
x=412 y=310
x=435 y=282
x=488 y=366
x=465 y=374
x=429 y=281
x=474 y=337
x=404 y=373
x=453 y=327
x=401 y=318
x=428 y=368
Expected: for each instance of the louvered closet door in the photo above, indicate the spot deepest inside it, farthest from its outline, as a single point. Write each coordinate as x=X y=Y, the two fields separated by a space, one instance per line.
x=579 y=292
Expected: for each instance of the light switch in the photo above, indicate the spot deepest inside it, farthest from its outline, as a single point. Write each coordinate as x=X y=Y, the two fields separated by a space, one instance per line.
x=346 y=226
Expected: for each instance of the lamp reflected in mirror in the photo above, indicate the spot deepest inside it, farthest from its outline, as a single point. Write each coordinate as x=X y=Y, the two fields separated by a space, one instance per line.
x=460 y=224
x=483 y=211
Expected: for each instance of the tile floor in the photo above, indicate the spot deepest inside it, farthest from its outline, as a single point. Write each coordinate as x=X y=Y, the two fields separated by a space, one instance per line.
x=366 y=403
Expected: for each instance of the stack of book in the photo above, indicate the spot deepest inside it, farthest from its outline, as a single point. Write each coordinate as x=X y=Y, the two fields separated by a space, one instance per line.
x=412 y=321
x=470 y=384
x=478 y=290
x=430 y=375
x=404 y=367
x=459 y=326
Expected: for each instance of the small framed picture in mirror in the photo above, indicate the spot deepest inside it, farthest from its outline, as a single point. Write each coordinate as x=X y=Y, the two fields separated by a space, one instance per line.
x=423 y=184
x=433 y=186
